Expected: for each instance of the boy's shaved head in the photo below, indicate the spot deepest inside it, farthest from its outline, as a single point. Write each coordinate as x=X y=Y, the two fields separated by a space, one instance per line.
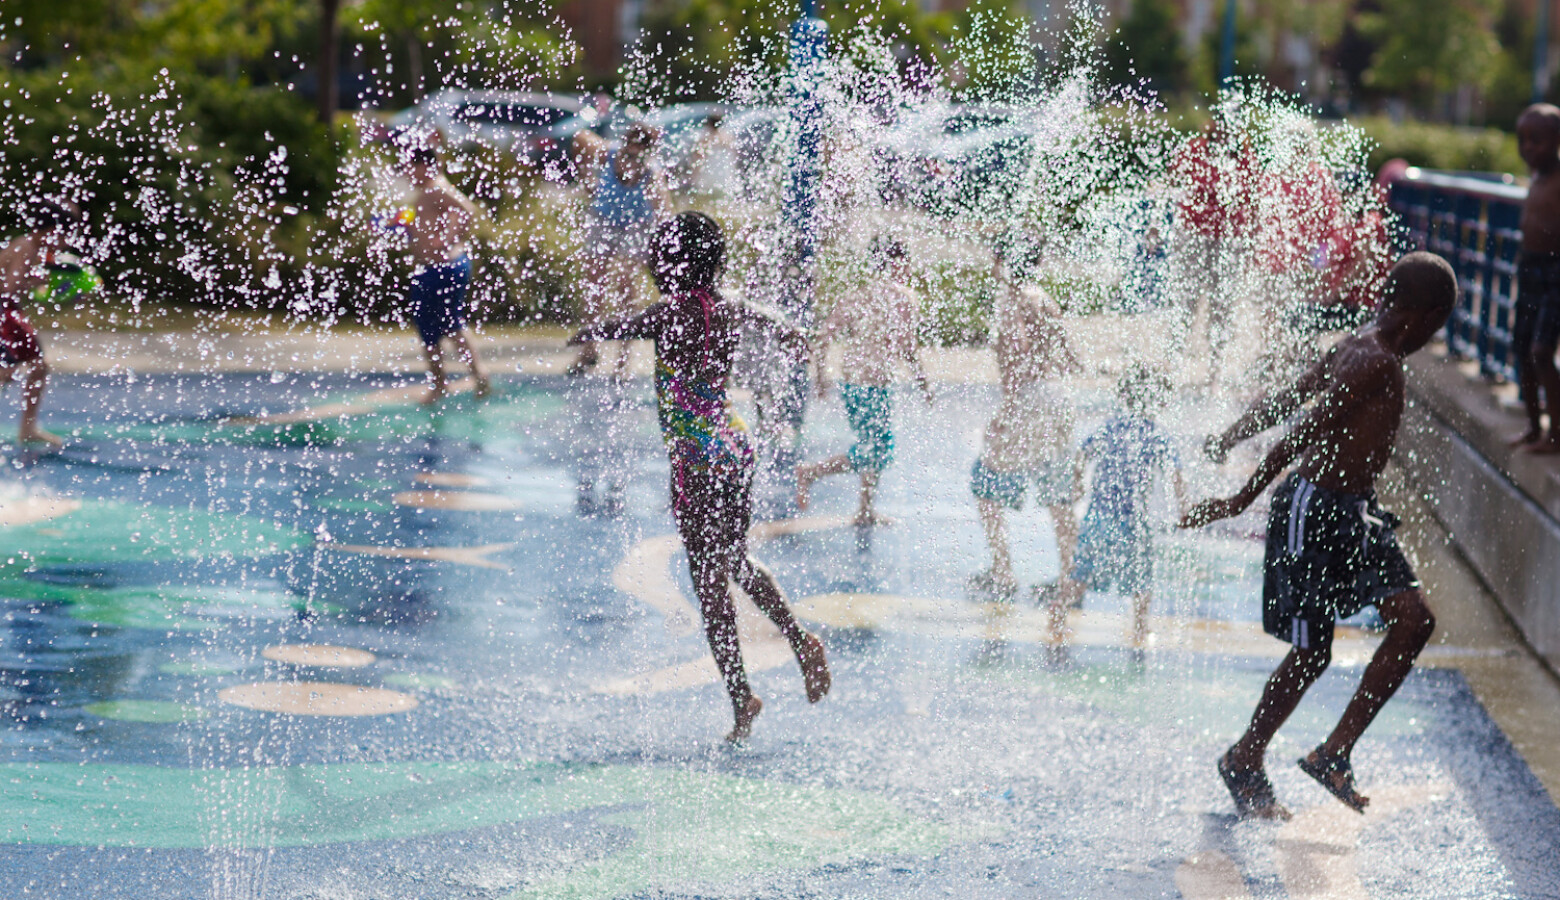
x=1542 y=115
x=1421 y=283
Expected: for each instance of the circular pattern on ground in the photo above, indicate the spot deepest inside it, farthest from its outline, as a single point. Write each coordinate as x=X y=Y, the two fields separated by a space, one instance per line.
x=451 y=480
x=317 y=698
x=157 y=712
x=463 y=501
x=321 y=655
x=416 y=680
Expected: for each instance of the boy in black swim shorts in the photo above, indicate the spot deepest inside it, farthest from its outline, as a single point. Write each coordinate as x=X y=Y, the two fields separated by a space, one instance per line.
x=1536 y=329
x=1331 y=549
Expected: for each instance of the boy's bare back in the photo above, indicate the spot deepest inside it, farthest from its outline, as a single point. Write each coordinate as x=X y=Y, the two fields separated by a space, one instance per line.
x=21 y=266
x=1351 y=438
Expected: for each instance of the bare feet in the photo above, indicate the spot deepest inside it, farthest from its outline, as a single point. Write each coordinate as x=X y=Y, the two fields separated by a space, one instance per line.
x=804 y=480
x=815 y=668
x=743 y=729
x=36 y=435
x=1545 y=446
x=1532 y=436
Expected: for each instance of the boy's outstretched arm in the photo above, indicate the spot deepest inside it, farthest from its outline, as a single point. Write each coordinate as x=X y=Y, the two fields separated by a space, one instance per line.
x=1348 y=388
x=1269 y=410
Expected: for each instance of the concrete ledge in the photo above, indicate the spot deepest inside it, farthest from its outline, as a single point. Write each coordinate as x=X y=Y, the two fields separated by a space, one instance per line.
x=1500 y=506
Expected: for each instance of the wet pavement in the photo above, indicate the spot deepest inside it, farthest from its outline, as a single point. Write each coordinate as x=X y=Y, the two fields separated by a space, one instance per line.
x=390 y=652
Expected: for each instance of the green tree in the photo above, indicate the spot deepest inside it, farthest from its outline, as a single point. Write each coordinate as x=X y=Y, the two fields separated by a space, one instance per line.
x=1431 y=47
x=1147 y=48
x=993 y=50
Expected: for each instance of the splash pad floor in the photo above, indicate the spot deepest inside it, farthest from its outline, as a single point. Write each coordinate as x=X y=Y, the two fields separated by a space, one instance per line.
x=396 y=654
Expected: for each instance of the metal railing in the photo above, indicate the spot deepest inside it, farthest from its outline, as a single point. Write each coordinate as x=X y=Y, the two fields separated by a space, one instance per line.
x=1474 y=223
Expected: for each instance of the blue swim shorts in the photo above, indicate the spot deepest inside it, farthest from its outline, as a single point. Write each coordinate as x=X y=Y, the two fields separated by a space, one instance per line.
x=1053 y=484
x=869 y=410
x=438 y=299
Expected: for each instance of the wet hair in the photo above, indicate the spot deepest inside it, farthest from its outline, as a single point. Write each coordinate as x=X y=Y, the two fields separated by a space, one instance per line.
x=1420 y=283
x=689 y=251
x=886 y=250
x=1546 y=114
x=1142 y=389
x=420 y=154
x=48 y=213
x=640 y=134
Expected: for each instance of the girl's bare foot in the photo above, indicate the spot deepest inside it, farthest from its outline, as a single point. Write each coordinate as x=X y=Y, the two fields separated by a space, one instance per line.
x=36 y=435
x=743 y=729
x=815 y=668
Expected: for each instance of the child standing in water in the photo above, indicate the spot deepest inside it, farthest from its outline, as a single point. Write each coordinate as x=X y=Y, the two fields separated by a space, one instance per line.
x=440 y=245
x=1115 y=546
x=24 y=265
x=1029 y=438
x=696 y=331
x=876 y=325
x=1331 y=548
x=1536 y=331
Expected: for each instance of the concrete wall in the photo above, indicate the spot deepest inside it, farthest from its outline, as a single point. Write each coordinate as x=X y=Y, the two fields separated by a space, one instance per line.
x=1499 y=506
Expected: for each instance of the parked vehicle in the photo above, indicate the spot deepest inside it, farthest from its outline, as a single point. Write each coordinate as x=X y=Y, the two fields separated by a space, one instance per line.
x=515 y=123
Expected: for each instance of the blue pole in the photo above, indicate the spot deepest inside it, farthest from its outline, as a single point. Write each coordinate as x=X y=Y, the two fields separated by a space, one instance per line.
x=1541 y=52
x=1227 y=47
x=809 y=51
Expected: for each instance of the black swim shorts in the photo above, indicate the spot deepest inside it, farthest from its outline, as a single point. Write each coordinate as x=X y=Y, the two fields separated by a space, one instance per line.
x=1329 y=555
x=1537 y=322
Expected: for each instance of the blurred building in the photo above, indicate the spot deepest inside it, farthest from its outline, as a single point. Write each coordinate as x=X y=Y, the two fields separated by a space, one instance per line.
x=602 y=28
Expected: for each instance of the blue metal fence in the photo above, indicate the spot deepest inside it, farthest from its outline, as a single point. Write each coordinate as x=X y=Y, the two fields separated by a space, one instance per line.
x=1473 y=223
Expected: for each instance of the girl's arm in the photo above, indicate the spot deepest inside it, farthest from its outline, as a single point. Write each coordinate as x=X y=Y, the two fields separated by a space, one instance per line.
x=645 y=325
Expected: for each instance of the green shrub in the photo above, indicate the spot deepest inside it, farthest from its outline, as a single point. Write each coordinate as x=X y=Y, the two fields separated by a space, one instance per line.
x=1441 y=146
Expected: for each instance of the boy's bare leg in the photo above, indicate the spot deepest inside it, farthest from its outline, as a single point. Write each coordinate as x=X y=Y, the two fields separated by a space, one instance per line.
x=1066 y=524
x=1409 y=626
x=1140 y=605
x=758 y=583
x=482 y=386
x=1288 y=683
x=1548 y=378
x=435 y=357
x=865 y=514
x=994 y=522
x=1527 y=380
x=32 y=398
x=807 y=473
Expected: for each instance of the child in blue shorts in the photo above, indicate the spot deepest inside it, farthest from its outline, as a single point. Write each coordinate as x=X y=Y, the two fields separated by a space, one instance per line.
x=1115 y=545
x=876 y=326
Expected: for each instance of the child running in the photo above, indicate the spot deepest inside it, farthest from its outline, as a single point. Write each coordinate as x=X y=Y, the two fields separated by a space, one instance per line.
x=876 y=326
x=440 y=245
x=24 y=265
x=1331 y=548
x=696 y=331
x=1029 y=438
x=1115 y=545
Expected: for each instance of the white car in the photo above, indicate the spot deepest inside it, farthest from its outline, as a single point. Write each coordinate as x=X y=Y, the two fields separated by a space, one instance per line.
x=512 y=122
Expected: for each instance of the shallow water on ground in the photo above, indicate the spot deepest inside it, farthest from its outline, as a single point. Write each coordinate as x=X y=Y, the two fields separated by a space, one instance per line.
x=516 y=705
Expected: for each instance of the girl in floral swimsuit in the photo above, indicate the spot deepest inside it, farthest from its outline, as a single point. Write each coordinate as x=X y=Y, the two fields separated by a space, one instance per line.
x=696 y=333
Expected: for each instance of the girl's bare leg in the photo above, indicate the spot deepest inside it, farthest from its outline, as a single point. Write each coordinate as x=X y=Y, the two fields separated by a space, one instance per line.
x=711 y=571
x=760 y=584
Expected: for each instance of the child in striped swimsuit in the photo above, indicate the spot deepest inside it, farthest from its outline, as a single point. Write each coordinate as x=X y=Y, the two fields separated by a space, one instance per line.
x=696 y=332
